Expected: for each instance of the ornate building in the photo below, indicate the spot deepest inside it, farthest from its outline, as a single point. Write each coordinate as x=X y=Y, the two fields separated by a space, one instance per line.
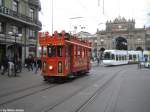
x=122 y=34
x=19 y=17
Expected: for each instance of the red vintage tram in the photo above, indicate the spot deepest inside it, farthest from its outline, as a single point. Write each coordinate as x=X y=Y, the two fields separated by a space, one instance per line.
x=63 y=55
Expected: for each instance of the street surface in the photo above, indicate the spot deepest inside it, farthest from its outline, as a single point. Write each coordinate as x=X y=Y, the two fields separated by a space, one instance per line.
x=105 y=89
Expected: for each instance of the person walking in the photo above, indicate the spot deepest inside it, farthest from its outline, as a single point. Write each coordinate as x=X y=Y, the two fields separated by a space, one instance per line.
x=29 y=63
x=4 y=64
x=38 y=64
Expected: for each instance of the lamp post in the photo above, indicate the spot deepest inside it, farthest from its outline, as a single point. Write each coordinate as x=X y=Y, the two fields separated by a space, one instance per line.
x=15 y=56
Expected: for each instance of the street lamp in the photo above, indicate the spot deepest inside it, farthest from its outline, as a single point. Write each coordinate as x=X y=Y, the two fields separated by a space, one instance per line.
x=15 y=56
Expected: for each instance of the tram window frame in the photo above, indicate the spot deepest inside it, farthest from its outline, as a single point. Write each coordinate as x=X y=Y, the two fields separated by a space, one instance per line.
x=53 y=51
x=59 y=51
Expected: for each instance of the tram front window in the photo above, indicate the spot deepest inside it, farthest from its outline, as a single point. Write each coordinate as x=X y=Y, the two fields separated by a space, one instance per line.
x=107 y=56
x=51 y=51
x=59 y=51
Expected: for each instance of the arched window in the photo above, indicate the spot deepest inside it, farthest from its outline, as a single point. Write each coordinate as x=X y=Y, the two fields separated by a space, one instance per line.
x=121 y=43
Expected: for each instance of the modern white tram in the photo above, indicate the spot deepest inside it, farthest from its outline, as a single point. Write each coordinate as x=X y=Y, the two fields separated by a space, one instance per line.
x=120 y=57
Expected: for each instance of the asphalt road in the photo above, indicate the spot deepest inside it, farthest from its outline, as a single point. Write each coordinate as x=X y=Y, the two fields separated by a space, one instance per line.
x=104 y=89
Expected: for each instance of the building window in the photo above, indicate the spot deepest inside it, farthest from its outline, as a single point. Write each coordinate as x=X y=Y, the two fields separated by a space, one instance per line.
x=15 y=6
x=15 y=29
x=31 y=34
x=31 y=13
x=20 y=30
x=1 y=27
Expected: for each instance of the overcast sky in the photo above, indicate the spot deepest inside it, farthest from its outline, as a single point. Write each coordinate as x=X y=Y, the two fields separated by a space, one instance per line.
x=91 y=13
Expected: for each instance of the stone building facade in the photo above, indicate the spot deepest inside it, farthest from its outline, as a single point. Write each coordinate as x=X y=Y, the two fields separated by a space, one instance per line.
x=19 y=17
x=122 y=34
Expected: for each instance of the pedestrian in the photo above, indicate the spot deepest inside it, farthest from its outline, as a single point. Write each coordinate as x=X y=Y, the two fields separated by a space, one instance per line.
x=4 y=64
x=29 y=63
x=98 y=61
x=38 y=64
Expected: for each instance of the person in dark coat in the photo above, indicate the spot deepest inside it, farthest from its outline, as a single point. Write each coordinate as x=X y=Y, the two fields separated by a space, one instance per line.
x=29 y=63
x=38 y=64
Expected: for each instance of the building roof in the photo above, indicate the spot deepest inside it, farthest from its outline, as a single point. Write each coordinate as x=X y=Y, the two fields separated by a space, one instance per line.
x=84 y=34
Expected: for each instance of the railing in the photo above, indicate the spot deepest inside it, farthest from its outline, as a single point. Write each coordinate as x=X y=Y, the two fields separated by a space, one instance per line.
x=6 y=11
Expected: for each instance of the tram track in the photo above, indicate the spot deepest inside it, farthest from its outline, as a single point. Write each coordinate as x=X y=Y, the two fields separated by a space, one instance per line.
x=10 y=97
x=19 y=90
x=23 y=93
x=96 y=93
x=89 y=100
x=36 y=89
x=50 y=107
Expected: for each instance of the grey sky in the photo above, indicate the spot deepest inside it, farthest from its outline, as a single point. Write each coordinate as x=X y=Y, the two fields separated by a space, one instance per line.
x=91 y=13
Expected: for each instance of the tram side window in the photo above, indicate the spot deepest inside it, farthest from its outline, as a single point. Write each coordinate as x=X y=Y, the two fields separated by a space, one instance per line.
x=113 y=56
x=44 y=52
x=125 y=57
x=134 y=57
x=130 y=57
x=120 y=57
x=75 y=50
x=82 y=52
x=59 y=51
x=116 y=57
x=51 y=51
x=66 y=51
x=78 y=51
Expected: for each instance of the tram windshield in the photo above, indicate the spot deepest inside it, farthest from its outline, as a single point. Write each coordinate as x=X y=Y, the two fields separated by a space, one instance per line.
x=108 y=56
x=53 y=50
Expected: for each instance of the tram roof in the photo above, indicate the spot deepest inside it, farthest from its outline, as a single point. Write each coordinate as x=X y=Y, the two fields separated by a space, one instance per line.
x=61 y=39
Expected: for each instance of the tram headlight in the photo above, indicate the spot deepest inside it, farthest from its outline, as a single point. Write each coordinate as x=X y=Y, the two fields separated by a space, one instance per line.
x=50 y=67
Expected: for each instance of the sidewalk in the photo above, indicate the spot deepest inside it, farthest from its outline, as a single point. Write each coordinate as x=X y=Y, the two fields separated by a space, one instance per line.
x=22 y=80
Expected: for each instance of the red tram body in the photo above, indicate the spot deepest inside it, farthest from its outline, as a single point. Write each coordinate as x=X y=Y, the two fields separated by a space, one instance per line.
x=63 y=55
